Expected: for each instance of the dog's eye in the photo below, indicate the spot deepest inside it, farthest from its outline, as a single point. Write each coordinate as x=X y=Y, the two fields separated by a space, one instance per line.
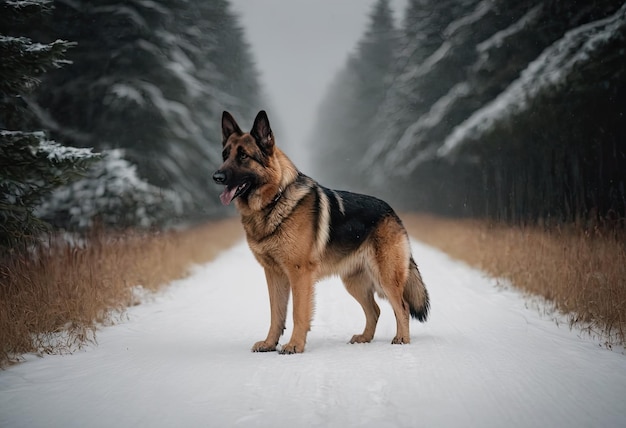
x=243 y=156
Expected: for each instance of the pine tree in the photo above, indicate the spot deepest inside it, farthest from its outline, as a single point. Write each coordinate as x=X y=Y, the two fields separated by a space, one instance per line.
x=348 y=114
x=508 y=109
x=423 y=35
x=151 y=77
x=31 y=165
x=110 y=194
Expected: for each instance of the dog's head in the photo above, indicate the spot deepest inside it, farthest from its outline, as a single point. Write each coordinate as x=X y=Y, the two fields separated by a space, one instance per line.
x=248 y=170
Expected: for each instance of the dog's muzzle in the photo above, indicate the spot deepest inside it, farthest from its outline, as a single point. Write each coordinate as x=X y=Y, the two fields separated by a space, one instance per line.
x=219 y=177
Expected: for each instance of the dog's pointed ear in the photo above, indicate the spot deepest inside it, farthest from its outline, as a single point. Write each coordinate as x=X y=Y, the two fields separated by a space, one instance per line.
x=229 y=127
x=262 y=132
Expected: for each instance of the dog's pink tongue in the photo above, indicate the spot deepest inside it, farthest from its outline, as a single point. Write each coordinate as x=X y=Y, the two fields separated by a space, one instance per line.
x=227 y=195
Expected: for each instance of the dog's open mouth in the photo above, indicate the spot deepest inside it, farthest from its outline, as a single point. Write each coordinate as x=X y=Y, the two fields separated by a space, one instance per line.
x=231 y=192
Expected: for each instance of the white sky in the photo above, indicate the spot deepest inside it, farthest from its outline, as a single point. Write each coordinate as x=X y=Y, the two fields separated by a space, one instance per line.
x=299 y=46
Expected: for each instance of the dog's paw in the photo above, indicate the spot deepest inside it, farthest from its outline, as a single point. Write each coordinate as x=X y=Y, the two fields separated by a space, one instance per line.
x=401 y=340
x=263 y=346
x=359 y=338
x=291 y=348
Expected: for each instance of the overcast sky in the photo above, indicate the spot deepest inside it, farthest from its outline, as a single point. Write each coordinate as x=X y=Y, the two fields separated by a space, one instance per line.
x=299 y=45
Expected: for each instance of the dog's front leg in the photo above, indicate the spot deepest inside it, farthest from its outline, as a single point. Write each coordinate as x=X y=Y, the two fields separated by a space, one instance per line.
x=278 y=288
x=302 y=289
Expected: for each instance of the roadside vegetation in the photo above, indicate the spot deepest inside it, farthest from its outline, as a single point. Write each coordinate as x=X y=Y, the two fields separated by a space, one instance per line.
x=579 y=270
x=53 y=299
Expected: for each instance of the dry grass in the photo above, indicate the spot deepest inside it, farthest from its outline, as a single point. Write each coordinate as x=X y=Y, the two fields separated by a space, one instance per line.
x=53 y=301
x=583 y=272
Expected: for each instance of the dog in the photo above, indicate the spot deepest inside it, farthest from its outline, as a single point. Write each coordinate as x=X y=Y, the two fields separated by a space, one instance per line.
x=301 y=232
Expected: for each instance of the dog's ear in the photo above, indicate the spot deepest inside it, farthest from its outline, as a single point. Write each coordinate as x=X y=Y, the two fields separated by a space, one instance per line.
x=262 y=133
x=229 y=127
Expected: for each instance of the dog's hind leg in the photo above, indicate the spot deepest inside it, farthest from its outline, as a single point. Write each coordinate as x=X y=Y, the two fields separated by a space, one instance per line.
x=360 y=286
x=392 y=282
x=393 y=291
x=392 y=254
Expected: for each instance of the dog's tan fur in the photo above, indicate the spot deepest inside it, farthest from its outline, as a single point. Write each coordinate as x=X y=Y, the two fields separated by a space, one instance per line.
x=287 y=219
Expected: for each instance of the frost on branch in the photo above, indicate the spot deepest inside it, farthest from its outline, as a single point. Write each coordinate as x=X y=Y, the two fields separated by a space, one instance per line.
x=110 y=194
x=31 y=167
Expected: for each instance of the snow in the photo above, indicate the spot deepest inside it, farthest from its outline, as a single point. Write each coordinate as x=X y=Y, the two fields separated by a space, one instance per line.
x=550 y=70
x=51 y=149
x=486 y=358
x=27 y=3
x=412 y=147
x=107 y=189
x=58 y=153
x=446 y=46
x=125 y=91
x=482 y=9
x=502 y=37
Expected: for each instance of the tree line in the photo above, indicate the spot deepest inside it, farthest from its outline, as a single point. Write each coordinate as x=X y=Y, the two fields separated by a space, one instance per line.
x=109 y=110
x=491 y=108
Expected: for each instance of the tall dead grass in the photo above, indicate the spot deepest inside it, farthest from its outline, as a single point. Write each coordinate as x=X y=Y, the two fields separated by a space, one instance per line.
x=54 y=299
x=581 y=270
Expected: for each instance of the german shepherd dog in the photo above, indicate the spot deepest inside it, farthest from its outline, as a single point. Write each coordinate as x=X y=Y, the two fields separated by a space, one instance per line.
x=301 y=232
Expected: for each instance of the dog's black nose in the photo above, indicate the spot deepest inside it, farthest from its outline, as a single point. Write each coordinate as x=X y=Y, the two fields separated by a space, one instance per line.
x=219 y=177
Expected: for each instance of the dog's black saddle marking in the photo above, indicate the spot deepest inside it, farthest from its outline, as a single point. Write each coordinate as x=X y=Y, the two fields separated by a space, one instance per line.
x=353 y=217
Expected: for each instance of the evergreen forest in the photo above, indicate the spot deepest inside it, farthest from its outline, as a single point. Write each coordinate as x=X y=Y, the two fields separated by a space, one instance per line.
x=515 y=111
x=508 y=110
x=128 y=94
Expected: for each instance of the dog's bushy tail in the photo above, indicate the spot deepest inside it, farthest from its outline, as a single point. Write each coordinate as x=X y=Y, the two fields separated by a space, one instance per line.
x=415 y=294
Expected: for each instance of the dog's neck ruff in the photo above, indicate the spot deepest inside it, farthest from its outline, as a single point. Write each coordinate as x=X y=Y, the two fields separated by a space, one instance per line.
x=274 y=201
x=261 y=224
x=281 y=191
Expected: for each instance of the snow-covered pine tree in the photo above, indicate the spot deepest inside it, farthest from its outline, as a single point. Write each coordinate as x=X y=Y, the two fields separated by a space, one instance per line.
x=31 y=168
x=151 y=77
x=348 y=114
x=421 y=35
x=410 y=120
x=110 y=194
x=507 y=109
x=31 y=165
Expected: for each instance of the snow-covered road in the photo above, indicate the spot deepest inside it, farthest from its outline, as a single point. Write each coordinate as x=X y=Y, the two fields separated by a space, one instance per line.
x=484 y=359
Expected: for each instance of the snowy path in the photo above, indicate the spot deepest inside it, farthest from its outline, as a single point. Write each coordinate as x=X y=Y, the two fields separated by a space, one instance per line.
x=483 y=360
